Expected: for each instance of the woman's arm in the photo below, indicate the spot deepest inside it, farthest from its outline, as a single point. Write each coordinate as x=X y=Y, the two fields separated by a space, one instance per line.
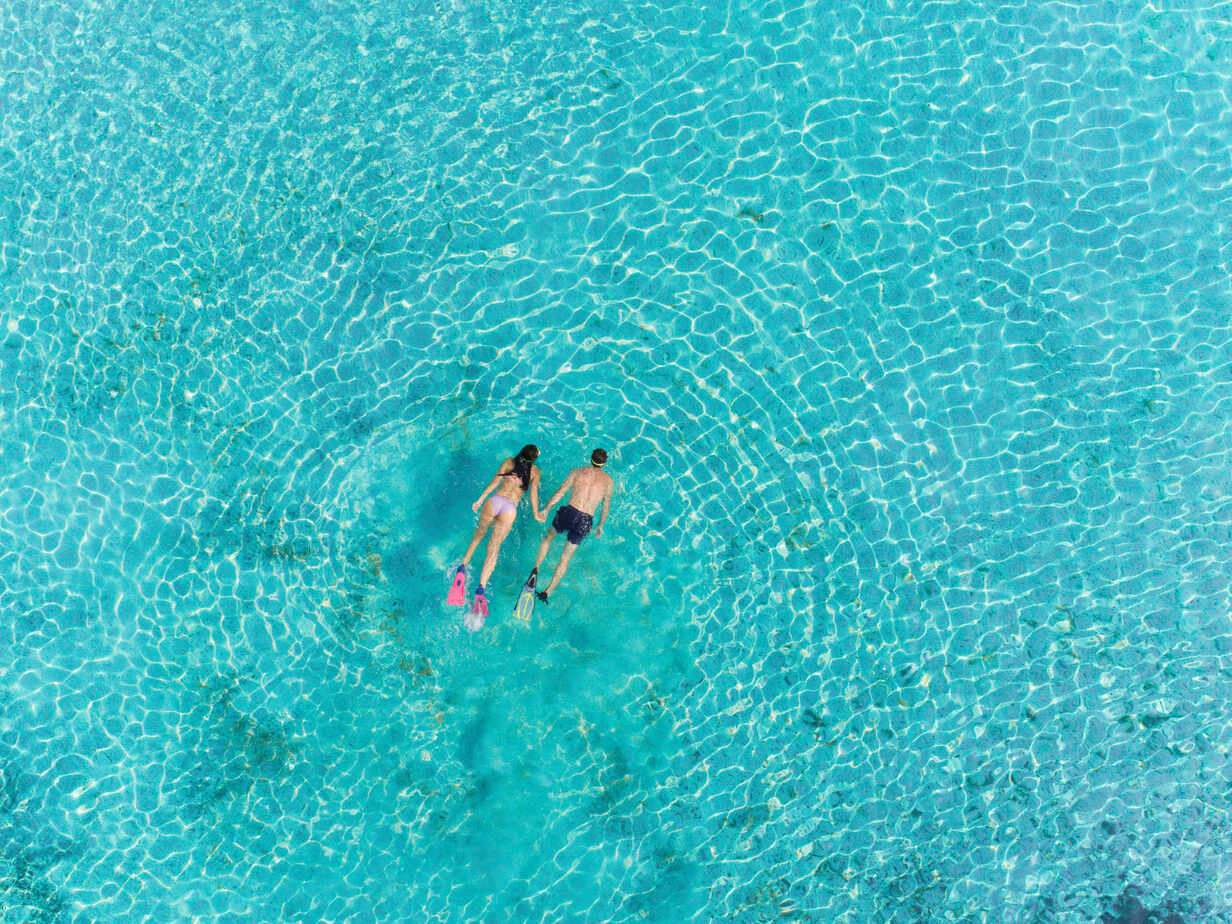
x=534 y=492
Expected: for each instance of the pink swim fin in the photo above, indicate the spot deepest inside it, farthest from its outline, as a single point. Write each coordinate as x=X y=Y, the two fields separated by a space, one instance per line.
x=457 y=593
x=479 y=611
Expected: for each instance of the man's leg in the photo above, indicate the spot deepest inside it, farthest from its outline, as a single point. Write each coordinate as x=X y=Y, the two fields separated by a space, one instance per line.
x=561 y=567
x=548 y=538
x=504 y=523
x=485 y=520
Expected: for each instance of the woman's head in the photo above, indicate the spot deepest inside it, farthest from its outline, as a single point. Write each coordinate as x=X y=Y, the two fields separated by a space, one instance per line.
x=522 y=463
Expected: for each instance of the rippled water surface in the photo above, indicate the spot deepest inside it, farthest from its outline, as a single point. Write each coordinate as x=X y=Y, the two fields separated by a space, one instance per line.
x=907 y=326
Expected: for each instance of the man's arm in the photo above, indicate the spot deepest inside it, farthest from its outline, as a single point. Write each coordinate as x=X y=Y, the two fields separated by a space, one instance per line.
x=607 y=508
x=555 y=498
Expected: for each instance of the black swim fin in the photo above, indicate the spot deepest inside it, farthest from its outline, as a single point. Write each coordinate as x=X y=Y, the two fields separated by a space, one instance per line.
x=525 y=607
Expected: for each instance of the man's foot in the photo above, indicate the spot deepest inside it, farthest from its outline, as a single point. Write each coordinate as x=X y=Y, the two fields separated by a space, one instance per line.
x=542 y=595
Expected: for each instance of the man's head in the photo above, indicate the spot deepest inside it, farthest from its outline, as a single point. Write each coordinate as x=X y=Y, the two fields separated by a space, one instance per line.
x=530 y=452
x=598 y=458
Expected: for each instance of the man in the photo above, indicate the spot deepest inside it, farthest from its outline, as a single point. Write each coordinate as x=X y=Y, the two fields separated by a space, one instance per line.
x=591 y=486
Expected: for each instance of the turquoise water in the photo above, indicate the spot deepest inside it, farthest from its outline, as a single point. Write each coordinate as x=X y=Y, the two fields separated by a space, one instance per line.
x=907 y=328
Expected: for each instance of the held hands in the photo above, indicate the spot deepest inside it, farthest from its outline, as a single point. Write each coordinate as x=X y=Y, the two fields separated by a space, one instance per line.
x=542 y=516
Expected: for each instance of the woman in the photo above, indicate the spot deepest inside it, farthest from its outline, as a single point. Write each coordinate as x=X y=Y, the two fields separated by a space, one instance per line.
x=514 y=477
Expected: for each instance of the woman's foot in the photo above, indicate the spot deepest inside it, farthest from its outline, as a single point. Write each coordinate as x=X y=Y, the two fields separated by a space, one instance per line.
x=457 y=591
x=479 y=611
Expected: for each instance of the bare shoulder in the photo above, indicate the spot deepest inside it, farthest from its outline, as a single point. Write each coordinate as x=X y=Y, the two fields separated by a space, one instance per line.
x=506 y=465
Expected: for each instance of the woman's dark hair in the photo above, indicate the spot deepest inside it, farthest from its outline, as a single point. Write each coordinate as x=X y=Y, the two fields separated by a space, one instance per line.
x=598 y=457
x=523 y=461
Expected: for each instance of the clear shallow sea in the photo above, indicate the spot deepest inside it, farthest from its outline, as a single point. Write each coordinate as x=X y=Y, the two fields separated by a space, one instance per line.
x=907 y=326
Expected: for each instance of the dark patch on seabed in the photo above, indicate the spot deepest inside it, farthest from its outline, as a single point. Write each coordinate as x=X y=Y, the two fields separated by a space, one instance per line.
x=28 y=849
x=1126 y=909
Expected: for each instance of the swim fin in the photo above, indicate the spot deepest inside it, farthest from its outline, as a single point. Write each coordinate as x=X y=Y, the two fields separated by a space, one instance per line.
x=457 y=593
x=479 y=611
x=525 y=606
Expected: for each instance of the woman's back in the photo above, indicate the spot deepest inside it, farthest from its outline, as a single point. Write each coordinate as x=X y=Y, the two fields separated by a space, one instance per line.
x=516 y=474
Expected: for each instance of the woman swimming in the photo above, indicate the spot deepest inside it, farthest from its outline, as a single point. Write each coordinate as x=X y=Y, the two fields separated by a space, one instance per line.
x=512 y=480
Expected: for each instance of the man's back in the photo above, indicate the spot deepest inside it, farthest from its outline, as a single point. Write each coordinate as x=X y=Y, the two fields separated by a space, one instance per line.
x=589 y=487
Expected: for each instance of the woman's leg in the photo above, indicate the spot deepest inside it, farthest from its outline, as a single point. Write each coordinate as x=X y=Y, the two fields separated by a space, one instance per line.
x=485 y=521
x=500 y=530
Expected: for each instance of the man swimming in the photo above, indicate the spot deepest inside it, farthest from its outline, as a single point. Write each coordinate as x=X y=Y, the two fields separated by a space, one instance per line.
x=591 y=486
x=511 y=481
